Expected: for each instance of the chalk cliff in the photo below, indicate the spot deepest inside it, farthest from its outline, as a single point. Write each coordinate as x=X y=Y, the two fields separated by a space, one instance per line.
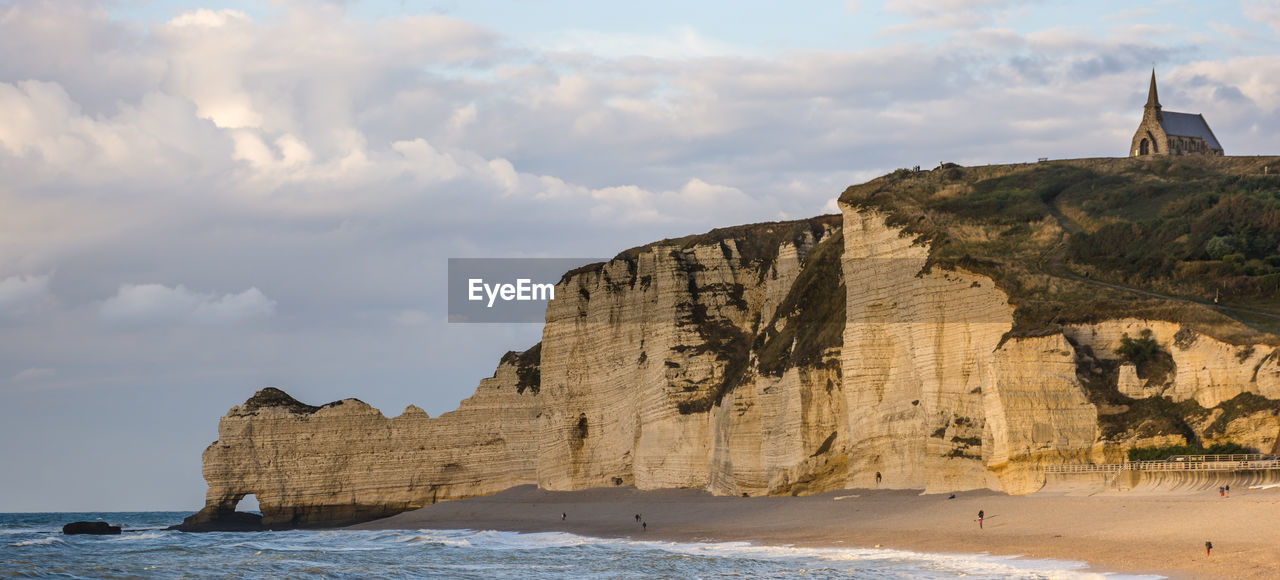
x=772 y=359
x=345 y=462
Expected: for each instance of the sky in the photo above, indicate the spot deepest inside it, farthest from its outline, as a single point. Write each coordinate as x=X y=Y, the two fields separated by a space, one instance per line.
x=198 y=200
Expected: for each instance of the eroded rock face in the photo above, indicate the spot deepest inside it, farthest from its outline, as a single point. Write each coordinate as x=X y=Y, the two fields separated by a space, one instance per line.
x=772 y=359
x=652 y=375
x=937 y=399
x=345 y=462
x=1206 y=370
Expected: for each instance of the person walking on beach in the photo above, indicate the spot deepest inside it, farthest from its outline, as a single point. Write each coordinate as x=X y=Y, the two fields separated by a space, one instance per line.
x=637 y=517
x=644 y=526
x=980 y=516
x=1208 y=547
x=1221 y=492
x=1228 y=490
x=563 y=516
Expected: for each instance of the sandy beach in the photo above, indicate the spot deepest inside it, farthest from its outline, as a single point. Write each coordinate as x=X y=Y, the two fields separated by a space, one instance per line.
x=1134 y=532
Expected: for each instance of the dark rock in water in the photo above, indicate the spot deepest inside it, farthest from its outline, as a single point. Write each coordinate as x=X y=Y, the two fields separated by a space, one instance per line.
x=96 y=528
x=212 y=520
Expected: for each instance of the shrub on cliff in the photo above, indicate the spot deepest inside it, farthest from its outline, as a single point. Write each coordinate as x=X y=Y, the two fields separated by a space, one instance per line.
x=1145 y=353
x=1167 y=451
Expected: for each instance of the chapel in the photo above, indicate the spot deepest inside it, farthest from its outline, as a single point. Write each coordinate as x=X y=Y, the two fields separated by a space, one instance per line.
x=1170 y=133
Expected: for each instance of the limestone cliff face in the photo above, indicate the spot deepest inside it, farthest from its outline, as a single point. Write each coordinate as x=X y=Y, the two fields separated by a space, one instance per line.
x=772 y=359
x=651 y=372
x=1207 y=370
x=936 y=399
x=345 y=462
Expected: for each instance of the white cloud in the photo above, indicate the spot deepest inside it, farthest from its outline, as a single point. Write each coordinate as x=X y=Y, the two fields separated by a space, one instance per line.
x=156 y=139
x=205 y=18
x=412 y=318
x=32 y=374
x=948 y=14
x=142 y=305
x=209 y=52
x=678 y=43
x=1264 y=11
x=696 y=197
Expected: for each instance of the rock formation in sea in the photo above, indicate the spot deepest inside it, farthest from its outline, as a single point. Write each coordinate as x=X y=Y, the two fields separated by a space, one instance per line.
x=771 y=359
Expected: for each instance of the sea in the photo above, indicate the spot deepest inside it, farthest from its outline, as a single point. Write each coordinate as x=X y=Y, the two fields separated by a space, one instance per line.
x=32 y=546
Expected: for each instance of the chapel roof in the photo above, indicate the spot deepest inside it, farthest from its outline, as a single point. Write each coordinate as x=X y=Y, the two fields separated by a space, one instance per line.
x=1189 y=125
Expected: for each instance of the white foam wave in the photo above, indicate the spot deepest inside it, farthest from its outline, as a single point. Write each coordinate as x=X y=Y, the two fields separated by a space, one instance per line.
x=494 y=540
x=45 y=541
x=947 y=564
x=959 y=564
x=135 y=537
x=306 y=541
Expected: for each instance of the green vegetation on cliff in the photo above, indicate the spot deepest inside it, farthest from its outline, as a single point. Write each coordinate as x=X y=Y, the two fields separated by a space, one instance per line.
x=1054 y=234
x=1163 y=453
x=810 y=319
x=528 y=368
x=813 y=302
x=756 y=244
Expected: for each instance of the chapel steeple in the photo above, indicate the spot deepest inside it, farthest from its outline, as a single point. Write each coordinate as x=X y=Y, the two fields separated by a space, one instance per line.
x=1153 y=99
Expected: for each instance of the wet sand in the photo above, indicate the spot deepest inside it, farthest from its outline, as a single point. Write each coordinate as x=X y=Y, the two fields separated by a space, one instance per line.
x=1134 y=532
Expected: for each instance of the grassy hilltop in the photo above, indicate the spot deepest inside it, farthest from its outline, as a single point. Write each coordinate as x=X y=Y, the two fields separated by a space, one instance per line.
x=1070 y=241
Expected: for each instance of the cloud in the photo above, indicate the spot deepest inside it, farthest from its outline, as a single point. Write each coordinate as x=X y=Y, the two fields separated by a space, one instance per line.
x=412 y=318
x=678 y=43
x=948 y=14
x=142 y=305
x=210 y=19
x=1264 y=11
x=1132 y=14
x=24 y=296
x=33 y=374
x=45 y=136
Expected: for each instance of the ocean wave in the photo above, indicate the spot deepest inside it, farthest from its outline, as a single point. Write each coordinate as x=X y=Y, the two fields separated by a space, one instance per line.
x=142 y=537
x=495 y=540
x=307 y=542
x=946 y=565
x=45 y=541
